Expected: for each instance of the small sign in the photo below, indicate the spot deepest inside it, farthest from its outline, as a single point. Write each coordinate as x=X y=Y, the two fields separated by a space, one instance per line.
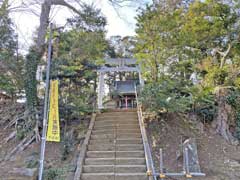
x=53 y=133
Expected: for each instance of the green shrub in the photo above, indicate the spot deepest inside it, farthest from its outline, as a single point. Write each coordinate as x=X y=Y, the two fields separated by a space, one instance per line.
x=53 y=174
x=233 y=99
x=204 y=104
x=20 y=134
x=237 y=132
x=66 y=146
x=166 y=95
x=32 y=164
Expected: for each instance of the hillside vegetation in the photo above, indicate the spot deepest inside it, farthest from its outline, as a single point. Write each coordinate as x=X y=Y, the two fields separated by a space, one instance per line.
x=189 y=53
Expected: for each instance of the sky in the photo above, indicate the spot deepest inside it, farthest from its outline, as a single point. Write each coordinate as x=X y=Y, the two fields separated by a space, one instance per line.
x=121 y=21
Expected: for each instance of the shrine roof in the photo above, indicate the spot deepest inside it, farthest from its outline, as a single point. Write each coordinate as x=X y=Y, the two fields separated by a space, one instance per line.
x=125 y=87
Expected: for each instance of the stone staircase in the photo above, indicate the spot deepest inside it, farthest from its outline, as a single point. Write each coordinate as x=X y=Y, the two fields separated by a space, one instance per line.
x=115 y=150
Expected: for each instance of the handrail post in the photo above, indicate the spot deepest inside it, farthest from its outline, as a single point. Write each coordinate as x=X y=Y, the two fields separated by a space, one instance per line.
x=162 y=175
x=148 y=155
x=188 y=175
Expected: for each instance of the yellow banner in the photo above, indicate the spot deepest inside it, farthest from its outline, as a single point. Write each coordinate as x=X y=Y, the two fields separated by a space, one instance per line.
x=53 y=133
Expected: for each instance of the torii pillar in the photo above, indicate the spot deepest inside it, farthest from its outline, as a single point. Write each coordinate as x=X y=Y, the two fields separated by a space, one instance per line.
x=141 y=81
x=100 y=90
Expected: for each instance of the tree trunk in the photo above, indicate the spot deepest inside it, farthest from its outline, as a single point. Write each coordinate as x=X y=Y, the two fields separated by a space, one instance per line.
x=223 y=116
x=36 y=53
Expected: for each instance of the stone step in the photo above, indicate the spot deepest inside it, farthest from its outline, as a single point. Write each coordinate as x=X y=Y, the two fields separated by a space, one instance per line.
x=113 y=176
x=114 y=168
x=117 y=147
x=98 y=169
x=97 y=176
x=119 y=116
x=115 y=123
x=121 y=110
x=117 y=161
x=119 y=113
x=117 y=154
x=116 y=118
x=129 y=140
x=130 y=161
x=131 y=176
x=112 y=131
x=122 y=115
x=118 y=141
x=114 y=136
x=118 y=125
x=100 y=154
x=130 y=168
x=121 y=154
x=122 y=126
x=99 y=161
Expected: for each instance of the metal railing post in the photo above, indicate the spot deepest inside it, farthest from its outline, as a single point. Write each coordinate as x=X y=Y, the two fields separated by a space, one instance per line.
x=188 y=175
x=162 y=175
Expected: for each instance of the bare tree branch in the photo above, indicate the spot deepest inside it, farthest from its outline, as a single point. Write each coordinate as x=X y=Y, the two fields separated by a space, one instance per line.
x=224 y=55
x=44 y=18
x=64 y=3
x=127 y=3
x=119 y=5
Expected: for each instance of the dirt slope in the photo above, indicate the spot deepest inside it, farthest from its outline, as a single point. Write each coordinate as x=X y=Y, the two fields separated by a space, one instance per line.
x=218 y=159
x=60 y=160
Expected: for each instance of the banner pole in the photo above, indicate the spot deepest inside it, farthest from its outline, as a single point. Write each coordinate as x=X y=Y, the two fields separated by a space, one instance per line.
x=45 y=115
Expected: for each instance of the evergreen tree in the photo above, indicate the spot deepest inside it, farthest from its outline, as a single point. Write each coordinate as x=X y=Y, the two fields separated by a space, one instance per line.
x=178 y=39
x=11 y=64
x=80 y=50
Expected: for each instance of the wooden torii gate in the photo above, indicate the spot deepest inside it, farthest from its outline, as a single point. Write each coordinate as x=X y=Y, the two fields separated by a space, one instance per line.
x=120 y=65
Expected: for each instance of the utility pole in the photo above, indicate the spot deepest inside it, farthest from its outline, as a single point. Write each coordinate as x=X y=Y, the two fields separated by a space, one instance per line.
x=45 y=115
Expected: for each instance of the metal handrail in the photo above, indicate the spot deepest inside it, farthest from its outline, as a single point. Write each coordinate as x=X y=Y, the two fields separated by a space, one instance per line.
x=186 y=172
x=147 y=150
